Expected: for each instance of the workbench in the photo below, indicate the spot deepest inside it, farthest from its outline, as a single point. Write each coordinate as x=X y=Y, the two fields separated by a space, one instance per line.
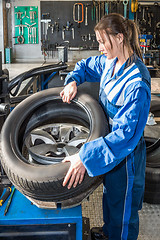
x=26 y=221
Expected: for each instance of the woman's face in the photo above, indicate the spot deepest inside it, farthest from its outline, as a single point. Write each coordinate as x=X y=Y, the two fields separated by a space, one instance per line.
x=105 y=45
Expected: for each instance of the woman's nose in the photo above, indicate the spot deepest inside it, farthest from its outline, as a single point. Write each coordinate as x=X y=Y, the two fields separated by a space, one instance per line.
x=101 y=47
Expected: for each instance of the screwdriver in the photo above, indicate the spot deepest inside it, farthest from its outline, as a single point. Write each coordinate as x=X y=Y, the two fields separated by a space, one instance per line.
x=5 y=195
x=9 y=202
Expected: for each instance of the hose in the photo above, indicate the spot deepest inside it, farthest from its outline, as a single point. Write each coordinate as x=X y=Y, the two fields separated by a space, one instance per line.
x=35 y=71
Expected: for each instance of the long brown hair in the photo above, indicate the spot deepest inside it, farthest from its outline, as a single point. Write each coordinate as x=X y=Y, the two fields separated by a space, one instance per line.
x=115 y=23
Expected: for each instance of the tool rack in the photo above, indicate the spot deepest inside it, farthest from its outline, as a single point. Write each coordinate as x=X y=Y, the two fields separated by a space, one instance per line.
x=26 y=25
x=72 y=23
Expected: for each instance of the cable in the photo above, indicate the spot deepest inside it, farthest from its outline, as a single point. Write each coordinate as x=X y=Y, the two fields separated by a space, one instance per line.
x=35 y=71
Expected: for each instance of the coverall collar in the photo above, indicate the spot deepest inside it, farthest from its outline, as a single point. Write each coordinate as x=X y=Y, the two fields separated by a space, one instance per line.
x=120 y=71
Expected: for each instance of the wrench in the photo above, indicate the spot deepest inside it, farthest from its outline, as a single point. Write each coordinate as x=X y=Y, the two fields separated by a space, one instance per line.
x=118 y=6
x=78 y=5
x=86 y=16
x=125 y=3
x=143 y=19
x=106 y=8
x=96 y=13
x=99 y=8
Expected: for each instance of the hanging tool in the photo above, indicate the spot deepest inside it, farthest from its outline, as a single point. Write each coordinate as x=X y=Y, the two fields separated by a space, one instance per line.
x=25 y=15
x=143 y=16
x=125 y=3
x=21 y=30
x=56 y=24
x=45 y=25
x=34 y=35
x=103 y=12
x=20 y=39
x=72 y=33
x=118 y=6
x=149 y=19
x=134 y=5
x=19 y=15
x=9 y=202
x=78 y=6
x=32 y=15
x=5 y=195
x=30 y=36
x=51 y=26
x=63 y=33
x=99 y=8
x=110 y=7
x=96 y=13
x=106 y=8
x=93 y=11
x=86 y=15
x=158 y=25
x=67 y=27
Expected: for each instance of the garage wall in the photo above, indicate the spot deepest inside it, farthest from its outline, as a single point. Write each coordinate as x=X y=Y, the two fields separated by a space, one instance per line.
x=1 y=31
x=25 y=52
x=32 y=52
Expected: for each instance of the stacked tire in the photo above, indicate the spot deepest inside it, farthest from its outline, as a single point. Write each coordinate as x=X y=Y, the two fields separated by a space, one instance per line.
x=152 y=138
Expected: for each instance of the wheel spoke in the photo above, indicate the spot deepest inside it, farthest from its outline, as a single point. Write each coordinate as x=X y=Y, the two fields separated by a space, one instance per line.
x=70 y=150
x=42 y=149
x=80 y=138
x=46 y=154
x=42 y=135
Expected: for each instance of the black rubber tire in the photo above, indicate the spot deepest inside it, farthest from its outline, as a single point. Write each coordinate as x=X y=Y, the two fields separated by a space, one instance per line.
x=153 y=152
x=152 y=178
x=152 y=186
x=44 y=182
x=155 y=103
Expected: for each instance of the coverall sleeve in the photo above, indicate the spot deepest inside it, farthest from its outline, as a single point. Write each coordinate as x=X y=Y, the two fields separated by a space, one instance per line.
x=89 y=70
x=103 y=154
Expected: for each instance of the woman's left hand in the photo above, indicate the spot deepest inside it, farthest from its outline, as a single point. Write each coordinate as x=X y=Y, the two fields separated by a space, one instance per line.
x=76 y=171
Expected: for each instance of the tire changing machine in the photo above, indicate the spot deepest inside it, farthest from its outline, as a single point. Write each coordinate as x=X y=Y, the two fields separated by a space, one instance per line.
x=28 y=219
x=25 y=220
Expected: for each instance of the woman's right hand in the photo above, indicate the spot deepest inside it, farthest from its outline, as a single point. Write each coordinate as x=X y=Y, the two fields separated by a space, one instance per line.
x=69 y=92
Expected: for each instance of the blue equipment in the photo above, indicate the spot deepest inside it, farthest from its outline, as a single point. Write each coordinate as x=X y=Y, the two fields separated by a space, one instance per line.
x=26 y=221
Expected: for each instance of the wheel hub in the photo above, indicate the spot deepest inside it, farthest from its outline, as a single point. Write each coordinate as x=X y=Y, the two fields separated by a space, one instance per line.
x=50 y=144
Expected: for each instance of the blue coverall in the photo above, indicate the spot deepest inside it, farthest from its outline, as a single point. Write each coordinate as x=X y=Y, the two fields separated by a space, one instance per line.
x=121 y=155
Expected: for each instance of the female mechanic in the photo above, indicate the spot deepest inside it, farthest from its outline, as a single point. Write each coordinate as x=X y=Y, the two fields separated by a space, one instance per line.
x=121 y=155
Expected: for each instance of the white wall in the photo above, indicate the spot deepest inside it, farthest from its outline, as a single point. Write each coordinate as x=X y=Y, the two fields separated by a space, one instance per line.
x=1 y=31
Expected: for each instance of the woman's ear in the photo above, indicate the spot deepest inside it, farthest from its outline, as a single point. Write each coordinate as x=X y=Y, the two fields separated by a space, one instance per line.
x=120 y=37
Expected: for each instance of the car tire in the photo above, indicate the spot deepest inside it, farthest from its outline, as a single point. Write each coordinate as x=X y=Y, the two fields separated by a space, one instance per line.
x=44 y=182
x=152 y=177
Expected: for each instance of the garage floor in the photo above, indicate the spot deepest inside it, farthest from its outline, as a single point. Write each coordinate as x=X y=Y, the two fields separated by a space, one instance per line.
x=92 y=209
x=149 y=216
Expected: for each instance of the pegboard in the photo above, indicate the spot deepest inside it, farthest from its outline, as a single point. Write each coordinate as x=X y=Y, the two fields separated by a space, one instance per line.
x=26 y=24
x=60 y=16
x=147 y=18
